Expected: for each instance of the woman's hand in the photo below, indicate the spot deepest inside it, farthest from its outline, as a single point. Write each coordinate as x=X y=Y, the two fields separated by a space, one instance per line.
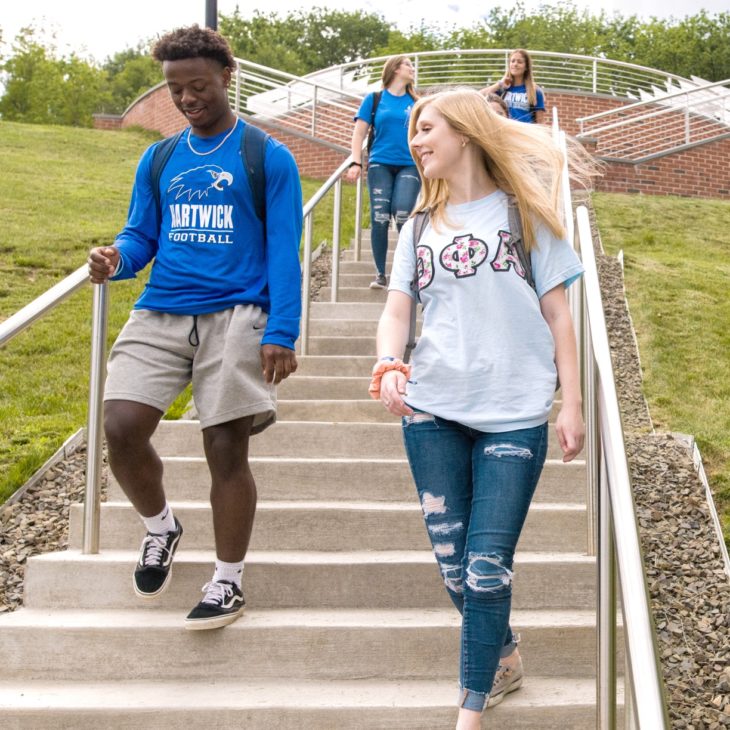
x=353 y=173
x=571 y=431
x=506 y=82
x=392 y=390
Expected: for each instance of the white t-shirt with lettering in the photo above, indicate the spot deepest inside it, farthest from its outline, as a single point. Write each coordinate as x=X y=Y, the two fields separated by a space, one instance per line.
x=486 y=356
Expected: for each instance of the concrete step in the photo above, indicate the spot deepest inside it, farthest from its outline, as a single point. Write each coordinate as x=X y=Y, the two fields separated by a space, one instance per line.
x=360 y=280
x=312 y=439
x=354 y=294
x=309 y=525
x=375 y=579
x=363 y=411
x=300 y=387
x=543 y=703
x=339 y=327
x=366 y=254
x=385 y=480
x=344 y=345
x=346 y=310
x=335 y=365
x=310 y=644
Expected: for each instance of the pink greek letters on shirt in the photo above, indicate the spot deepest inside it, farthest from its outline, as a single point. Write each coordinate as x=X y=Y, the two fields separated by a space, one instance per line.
x=506 y=257
x=464 y=255
x=424 y=266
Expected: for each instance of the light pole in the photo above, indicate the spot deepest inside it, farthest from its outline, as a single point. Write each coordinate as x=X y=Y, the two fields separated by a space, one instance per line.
x=211 y=14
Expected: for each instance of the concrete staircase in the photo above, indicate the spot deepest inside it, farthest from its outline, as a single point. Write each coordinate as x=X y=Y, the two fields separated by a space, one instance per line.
x=347 y=623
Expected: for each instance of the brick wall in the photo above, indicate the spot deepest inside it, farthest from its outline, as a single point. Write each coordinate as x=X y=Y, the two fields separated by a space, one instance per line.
x=698 y=172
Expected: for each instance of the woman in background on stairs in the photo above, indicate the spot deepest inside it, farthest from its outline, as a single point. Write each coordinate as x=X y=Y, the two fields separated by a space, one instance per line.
x=393 y=181
x=524 y=98
x=496 y=336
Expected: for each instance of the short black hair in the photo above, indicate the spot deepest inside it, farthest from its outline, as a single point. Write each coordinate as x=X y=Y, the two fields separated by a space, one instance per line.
x=194 y=42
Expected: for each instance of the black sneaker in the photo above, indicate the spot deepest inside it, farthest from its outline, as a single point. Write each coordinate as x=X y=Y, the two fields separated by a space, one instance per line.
x=380 y=282
x=223 y=604
x=153 y=570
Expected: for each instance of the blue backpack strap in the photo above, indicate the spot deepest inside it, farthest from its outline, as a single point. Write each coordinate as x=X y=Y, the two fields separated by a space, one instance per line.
x=160 y=156
x=253 y=152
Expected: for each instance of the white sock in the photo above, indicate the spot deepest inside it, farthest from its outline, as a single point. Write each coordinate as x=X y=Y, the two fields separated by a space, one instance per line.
x=232 y=572
x=162 y=523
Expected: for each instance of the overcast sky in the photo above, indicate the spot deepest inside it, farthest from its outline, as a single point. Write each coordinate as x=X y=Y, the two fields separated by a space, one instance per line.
x=100 y=28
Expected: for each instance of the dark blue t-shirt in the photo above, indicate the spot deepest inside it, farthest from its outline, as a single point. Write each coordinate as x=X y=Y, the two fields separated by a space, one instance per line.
x=519 y=105
x=390 y=144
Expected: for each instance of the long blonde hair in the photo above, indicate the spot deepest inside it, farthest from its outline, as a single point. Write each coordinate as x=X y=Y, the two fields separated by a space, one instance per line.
x=389 y=69
x=522 y=159
x=527 y=78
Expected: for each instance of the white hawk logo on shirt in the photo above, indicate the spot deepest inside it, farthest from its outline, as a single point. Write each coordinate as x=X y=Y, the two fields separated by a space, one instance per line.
x=198 y=182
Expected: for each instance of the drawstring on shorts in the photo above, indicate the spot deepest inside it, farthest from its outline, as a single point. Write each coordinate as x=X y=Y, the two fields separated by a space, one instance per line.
x=193 y=338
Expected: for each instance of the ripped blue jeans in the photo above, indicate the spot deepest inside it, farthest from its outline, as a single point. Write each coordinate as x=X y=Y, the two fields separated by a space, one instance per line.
x=393 y=191
x=475 y=490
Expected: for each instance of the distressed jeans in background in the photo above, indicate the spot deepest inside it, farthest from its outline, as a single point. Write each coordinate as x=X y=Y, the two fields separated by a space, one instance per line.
x=475 y=490
x=393 y=191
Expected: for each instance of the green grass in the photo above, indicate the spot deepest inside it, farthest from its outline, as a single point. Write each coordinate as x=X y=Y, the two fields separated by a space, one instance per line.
x=65 y=190
x=677 y=272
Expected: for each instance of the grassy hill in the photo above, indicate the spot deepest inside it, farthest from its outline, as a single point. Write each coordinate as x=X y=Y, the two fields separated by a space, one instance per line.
x=65 y=190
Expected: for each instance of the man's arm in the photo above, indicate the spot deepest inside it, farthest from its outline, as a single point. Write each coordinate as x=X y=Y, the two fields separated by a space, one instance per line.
x=138 y=241
x=283 y=234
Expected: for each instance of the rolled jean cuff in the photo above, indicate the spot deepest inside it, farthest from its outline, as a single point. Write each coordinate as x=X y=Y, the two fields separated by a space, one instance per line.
x=510 y=646
x=471 y=700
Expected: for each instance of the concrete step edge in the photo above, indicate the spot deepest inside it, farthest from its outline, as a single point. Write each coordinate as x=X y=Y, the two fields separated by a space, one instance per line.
x=304 y=618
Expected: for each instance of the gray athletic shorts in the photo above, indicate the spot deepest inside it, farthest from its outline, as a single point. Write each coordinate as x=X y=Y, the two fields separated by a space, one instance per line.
x=157 y=354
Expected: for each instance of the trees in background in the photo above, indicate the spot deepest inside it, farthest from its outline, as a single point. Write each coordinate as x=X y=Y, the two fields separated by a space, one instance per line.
x=42 y=88
x=39 y=86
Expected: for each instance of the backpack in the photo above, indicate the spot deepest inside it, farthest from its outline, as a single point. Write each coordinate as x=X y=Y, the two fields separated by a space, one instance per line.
x=371 y=131
x=253 y=150
x=419 y=226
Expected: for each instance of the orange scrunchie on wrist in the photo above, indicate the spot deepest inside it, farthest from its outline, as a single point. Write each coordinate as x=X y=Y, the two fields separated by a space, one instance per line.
x=380 y=368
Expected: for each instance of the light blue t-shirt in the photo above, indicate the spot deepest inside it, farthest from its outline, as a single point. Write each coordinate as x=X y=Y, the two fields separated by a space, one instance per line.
x=486 y=356
x=519 y=105
x=390 y=144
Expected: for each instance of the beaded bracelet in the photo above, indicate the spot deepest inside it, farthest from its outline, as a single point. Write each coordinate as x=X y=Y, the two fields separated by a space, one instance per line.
x=383 y=366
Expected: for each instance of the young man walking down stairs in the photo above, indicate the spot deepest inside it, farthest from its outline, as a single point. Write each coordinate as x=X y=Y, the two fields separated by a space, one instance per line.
x=221 y=217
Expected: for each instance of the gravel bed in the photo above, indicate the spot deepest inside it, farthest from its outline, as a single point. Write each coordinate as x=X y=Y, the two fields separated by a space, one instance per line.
x=690 y=592
x=689 y=589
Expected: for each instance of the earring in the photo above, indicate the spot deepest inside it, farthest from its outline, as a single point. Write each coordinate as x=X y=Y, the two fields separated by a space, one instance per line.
x=463 y=142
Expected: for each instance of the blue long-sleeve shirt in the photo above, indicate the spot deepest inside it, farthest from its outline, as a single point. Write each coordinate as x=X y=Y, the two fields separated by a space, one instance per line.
x=210 y=250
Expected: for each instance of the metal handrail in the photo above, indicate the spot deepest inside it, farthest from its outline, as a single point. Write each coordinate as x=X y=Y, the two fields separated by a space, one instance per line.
x=617 y=526
x=23 y=319
x=658 y=100
x=598 y=75
x=334 y=180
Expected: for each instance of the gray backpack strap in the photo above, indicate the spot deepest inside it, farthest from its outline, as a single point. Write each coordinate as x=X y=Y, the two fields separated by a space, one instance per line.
x=420 y=221
x=515 y=228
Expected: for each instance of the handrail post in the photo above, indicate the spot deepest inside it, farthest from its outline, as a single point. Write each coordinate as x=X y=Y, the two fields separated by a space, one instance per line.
x=592 y=445
x=336 y=224
x=92 y=498
x=595 y=75
x=416 y=66
x=306 y=280
x=606 y=619
x=358 y=218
